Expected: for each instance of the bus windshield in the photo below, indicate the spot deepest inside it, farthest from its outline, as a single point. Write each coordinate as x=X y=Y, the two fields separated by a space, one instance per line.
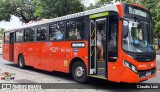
x=136 y=36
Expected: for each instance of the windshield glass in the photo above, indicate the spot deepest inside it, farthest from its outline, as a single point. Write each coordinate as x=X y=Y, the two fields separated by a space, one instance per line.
x=136 y=36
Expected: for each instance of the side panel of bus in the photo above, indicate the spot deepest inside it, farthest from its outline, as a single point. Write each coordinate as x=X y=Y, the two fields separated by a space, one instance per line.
x=29 y=53
x=5 y=51
x=18 y=48
x=61 y=53
x=27 y=50
x=40 y=58
x=56 y=56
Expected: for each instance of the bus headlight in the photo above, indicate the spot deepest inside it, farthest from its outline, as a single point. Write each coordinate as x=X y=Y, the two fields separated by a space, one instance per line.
x=130 y=66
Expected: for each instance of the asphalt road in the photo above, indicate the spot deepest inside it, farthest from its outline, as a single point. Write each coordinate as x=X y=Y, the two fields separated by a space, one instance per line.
x=31 y=75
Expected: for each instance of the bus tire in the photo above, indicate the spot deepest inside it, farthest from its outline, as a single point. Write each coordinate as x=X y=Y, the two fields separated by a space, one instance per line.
x=21 y=62
x=79 y=72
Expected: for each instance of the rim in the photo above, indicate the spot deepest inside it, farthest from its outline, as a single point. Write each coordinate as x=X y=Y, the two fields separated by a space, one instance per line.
x=79 y=71
x=20 y=62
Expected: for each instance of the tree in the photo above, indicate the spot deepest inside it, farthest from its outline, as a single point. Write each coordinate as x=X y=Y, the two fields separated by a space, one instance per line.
x=31 y=10
x=1 y=30
x=1 y=33
x=91 y=6
x=103 y=2
x=4 y=11
x=23 y=9
x=57 y=8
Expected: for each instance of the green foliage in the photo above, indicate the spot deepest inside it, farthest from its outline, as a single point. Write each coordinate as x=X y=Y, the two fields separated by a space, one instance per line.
x=91 y=6
x=99 y=4
x=57 y=8
x=24 y=9
x=31 y=10
x=4 y=11
x=1 y=31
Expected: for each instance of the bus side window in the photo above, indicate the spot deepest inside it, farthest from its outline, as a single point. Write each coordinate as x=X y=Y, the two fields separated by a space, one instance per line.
x=56 y=31
x=41 y=34
x=75 y=29
x=112 y=40
x=6 y=37
x=19 y=36
x=29 y=34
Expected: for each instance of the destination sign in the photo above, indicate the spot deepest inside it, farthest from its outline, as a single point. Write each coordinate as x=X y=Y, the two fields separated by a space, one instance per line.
x=78 y=45
x=137 y=12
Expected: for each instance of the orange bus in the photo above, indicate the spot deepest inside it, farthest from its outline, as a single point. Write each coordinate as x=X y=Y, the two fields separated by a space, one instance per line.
x=112 y=42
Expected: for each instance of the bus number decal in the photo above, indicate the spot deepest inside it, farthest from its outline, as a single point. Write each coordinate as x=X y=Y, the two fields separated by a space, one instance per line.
x=78 y=45
x=54 y=49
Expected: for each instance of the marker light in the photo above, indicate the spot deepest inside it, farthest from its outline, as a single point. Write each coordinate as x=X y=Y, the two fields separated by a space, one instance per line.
x=130 y=66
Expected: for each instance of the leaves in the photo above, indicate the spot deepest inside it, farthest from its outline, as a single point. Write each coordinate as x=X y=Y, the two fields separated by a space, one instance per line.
x=57 y=8
x=4 y=11
x=24 y=9
x=32 y=10
x=1 y=31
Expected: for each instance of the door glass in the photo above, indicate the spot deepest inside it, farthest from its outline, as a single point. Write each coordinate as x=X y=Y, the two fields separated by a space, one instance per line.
x=101 y=39
x=112 y=38
x=93 y=43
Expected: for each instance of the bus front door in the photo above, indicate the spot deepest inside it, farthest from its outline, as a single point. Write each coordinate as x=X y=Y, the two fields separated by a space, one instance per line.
x=98 y=56
x=11 y=47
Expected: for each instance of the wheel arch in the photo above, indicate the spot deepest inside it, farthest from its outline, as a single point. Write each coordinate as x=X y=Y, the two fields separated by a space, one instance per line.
x=75 y=59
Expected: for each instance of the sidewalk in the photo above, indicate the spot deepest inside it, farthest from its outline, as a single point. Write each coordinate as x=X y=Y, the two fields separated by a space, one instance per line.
x=158 y=61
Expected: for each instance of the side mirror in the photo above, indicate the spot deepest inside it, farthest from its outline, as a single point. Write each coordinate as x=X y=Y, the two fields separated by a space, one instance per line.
x=125 y=31
x=125 y=28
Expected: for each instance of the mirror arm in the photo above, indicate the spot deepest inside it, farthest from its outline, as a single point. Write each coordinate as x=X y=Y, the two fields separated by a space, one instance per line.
x=122 y=18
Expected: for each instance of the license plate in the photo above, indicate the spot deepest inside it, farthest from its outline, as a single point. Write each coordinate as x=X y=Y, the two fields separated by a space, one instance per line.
x=148 y=73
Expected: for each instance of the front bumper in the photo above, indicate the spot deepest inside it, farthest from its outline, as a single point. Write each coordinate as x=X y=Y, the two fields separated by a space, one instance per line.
x=131 y=77
x=145 y=73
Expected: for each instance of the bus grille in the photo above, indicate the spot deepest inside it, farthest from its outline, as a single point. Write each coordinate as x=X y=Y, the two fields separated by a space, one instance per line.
x=145 y=73
x=145 y=57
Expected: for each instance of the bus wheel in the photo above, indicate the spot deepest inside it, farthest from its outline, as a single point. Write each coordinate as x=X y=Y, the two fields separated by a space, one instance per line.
x=79 y=72
x=21 y=62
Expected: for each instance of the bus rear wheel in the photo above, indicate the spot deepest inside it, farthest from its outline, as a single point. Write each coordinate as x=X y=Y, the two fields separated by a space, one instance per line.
x=21 y=62
x=79 y=72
